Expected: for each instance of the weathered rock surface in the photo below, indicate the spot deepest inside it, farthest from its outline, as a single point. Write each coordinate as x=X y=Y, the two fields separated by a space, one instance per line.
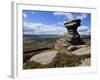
x=71 y=39
x=45 y=57
x=86 y=62
x=75 y=47
x=73 y=36
x=82 y=51
x=72 y=48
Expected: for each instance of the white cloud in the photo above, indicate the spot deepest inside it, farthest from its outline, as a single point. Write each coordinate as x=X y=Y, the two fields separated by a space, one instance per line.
x=84 y=30
x=61 y=23
x=67 y=15
x=39 y=28
x=81 y=16
x=71 y=16
x=24 y=15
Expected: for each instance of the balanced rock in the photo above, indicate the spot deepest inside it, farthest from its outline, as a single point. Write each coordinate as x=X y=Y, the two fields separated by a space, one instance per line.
x=71 y=39
x=73 y=36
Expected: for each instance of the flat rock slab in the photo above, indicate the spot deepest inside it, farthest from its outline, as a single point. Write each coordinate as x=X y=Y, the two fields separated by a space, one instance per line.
x=75 y=47
x=45 y=57
x=82 y=51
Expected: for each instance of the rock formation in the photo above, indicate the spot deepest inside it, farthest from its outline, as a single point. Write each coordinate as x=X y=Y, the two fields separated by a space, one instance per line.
x=73 y=36
x=71 y=39
x=44 y=57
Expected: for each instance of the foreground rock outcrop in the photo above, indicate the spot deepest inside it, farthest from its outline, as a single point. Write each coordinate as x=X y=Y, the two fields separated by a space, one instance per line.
x=45 y=57
x=72 y=44
x=70 y=40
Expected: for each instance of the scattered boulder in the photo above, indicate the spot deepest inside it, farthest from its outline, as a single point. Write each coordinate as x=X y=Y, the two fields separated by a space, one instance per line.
x=82 y=51
x=81 y=46
x=75 y=47
x=45 y=57
x=72 y=48
x=61 y=43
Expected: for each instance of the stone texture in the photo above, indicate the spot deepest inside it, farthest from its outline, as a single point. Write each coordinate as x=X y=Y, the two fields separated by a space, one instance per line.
x=75 y=47
x=82 y=51
x=73 y=35
x=45 y=57
x=86 y=62
x=72 y=25
x=72 y=48
x=71 y=39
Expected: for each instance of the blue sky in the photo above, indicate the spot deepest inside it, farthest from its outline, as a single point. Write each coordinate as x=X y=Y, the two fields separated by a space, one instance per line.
x=49 y=22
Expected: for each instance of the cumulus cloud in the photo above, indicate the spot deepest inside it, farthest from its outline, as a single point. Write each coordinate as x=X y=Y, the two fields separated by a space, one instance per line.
x=39 y=28
x=84 y=30
x=81 y=16
x=43 y=29
x=67 y=15
x=61 y=23
x=24 y=15
x=71 y=16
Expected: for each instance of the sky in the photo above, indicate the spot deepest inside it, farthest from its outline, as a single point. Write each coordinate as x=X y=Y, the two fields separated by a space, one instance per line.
x=52 y=23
